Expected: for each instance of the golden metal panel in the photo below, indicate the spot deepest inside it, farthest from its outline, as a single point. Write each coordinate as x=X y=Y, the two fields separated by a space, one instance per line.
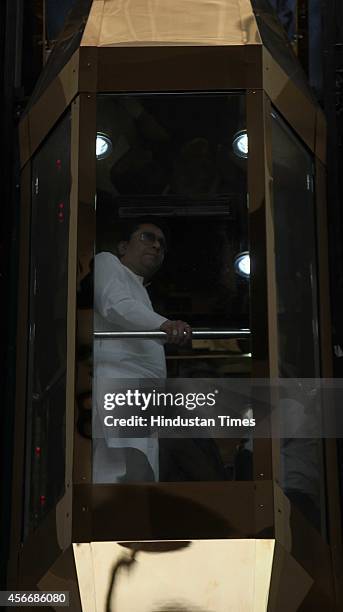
x=290 y=583
x=250 y=31
x=204 y=575
x=85 y=575
x=48 y=109
x=296 y=535
x=172 y=22
x=308 y=548
x=295 y=107
x=91 y=33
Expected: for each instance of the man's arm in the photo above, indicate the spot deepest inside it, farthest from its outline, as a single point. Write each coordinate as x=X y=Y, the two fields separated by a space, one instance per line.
x=112 y=299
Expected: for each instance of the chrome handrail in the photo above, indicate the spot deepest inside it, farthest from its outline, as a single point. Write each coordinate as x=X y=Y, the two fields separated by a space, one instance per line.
x=197 y=334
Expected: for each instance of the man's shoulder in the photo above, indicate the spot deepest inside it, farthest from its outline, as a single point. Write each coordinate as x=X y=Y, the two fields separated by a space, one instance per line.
x=107 y=258
x=107 y=265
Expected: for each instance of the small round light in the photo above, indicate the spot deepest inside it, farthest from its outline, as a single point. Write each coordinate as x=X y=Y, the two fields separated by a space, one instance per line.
x=240 y=144
x=103 y=146
x=242 y=264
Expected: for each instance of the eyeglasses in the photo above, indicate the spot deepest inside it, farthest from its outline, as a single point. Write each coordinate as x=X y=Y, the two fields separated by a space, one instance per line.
x=151 y=238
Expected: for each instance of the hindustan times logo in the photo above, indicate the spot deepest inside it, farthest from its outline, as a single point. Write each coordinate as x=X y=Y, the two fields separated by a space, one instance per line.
x=157 y=399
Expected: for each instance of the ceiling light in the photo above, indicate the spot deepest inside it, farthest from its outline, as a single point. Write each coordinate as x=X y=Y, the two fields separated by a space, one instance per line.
x=103 y=146
x=242 y=264
x=240 y=144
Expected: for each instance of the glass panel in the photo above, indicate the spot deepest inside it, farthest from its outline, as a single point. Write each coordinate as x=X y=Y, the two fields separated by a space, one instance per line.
x=276 y=41
x=66 y=44
x=296 y=276
x=168 y=171
x=45 y=441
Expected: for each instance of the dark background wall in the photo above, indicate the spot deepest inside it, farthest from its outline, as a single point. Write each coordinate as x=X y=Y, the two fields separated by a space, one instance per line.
x=28 y=29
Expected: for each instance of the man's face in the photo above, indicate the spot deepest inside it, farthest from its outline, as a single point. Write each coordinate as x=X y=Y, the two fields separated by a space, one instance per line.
x=144 y=252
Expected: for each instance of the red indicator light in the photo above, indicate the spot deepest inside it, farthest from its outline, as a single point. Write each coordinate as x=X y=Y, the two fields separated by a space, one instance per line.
x=58 y=164
x=38 y=451
x=60 y=215
x=61 y=205
x=42 y=500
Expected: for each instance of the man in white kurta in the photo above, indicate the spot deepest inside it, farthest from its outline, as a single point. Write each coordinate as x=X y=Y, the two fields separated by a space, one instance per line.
x=121 y=303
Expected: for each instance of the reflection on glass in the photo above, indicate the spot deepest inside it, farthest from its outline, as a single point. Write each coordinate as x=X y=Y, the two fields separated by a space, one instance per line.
x=66 y=44
x=295 y=252
x=103 y=146
x=45 y=442
x=240 y=144
x=171 y=219
x=275 y=39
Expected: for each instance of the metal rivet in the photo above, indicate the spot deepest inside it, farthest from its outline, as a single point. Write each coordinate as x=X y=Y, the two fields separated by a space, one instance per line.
x=261 y=505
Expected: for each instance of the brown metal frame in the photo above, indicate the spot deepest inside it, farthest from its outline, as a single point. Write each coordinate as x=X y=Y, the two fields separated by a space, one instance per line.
x=85 y=241
x=94 y=514
x=97 y=509
x=176 y=68
x=258 y=190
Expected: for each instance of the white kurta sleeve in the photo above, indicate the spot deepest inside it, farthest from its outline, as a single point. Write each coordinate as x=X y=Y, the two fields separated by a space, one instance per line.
x=114 y=301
